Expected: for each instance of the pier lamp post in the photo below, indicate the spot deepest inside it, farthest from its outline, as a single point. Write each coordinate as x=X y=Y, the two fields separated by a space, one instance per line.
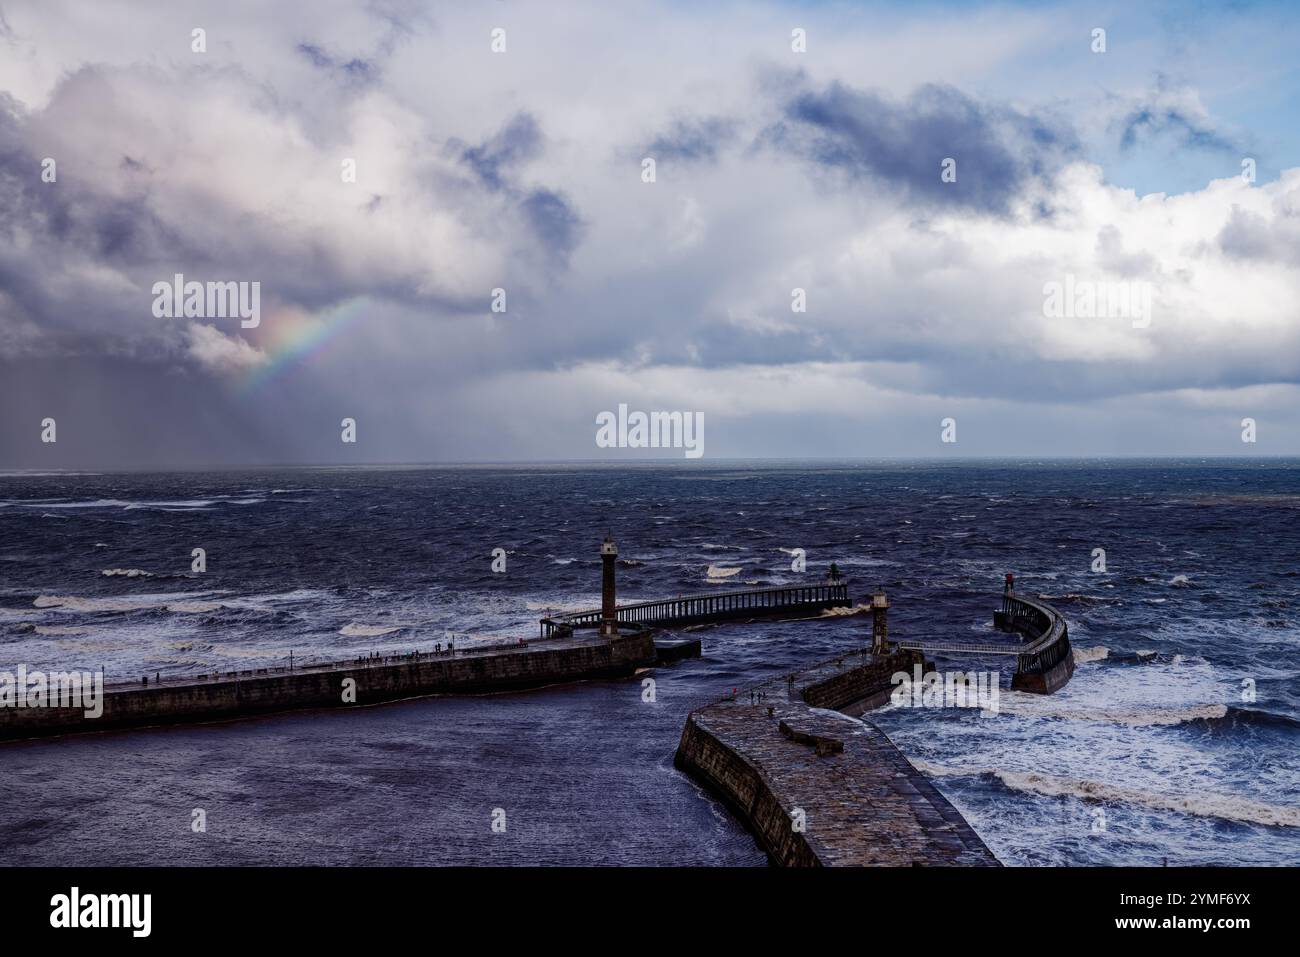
x=879 y=623
x=608 y=614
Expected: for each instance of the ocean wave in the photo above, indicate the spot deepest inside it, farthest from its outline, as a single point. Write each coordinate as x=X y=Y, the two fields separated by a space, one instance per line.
x=182 y=504
x=37 y=503
x=1228 y=807
x=716 y=571
x=127 y=572
x=196 y=607
x=357 y=630
x=844 y=612
x=166 y=505
x=1073 y=598
x=1033 y=706
x=1255 y=716
x=132 y=603
x=245 y=651
x=1086 y=655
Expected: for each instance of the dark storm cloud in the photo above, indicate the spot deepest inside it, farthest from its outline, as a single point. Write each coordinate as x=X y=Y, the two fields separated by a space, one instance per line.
x=868 y=138
x=64 y=226
x=71 y=214
x=78 y=257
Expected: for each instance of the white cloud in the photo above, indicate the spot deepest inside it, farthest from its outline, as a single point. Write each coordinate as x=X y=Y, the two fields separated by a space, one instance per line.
x=217 y=352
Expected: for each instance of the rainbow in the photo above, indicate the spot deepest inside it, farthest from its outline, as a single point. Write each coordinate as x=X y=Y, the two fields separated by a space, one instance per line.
x=295 y=338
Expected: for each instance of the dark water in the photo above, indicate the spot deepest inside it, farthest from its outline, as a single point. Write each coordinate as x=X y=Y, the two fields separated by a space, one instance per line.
x=1150 y=753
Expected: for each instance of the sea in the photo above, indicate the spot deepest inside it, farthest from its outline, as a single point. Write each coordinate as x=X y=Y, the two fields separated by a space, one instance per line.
x=1174 y=743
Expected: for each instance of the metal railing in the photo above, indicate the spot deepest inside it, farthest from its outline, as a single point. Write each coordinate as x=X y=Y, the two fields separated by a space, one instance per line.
x=1047 y=636
x=706 y=606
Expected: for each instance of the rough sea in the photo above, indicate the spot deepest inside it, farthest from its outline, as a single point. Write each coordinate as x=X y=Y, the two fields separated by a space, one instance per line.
x=1175 y=741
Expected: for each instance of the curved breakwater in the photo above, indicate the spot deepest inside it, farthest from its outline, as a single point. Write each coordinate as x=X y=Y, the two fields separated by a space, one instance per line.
x=818 y=787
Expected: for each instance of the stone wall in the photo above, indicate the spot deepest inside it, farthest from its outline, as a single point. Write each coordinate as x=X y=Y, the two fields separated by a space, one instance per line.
x=817 y=788
x=868 y=681
x=506 y=669
x=739 y=783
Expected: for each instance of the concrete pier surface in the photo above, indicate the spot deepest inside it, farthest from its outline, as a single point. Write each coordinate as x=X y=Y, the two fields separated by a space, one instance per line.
x=577 y=656
x=818 y=787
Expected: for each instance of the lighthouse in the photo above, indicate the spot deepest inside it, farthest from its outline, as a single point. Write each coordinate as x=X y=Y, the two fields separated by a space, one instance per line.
x=608 y=616
x=880 y=623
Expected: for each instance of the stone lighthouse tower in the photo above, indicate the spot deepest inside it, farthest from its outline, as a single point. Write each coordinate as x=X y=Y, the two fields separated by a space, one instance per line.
x=608 y=616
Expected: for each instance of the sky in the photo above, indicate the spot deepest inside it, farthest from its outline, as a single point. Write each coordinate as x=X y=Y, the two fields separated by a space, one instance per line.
x=390 y=172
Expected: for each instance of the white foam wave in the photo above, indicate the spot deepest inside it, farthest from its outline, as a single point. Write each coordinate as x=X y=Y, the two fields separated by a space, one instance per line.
x=1035 y=706
x=127 y=572
x=133 y=603
x=195 y=607
x=1228 y=807
x=97 y=503
x=716 y=571
x=1085 y=655
x=357 y=630
x=841 y=612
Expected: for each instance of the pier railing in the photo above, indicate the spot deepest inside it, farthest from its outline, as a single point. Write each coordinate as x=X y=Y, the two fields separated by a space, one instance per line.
x=1043 y=658
x=1043 y=625
x=705 y=607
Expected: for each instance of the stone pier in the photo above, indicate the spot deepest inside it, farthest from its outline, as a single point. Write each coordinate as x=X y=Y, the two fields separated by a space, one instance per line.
x=817 y=787
x=579 y=656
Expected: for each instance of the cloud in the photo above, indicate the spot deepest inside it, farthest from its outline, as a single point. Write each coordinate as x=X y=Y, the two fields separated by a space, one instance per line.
x=353 y=70
x=148 y=186
x=1172 y=115
x=522 y=171
x=901 y=144
x=504 y=151
x=695 y=139
x=218 y=352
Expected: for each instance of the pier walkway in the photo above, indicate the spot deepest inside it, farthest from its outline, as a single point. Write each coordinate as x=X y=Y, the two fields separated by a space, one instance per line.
x=708 y=607
x=1044 y=660
x=346 y=684
x=817 y=788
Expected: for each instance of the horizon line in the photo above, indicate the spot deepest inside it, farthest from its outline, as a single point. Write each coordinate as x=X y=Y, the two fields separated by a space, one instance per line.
x=8 y=472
